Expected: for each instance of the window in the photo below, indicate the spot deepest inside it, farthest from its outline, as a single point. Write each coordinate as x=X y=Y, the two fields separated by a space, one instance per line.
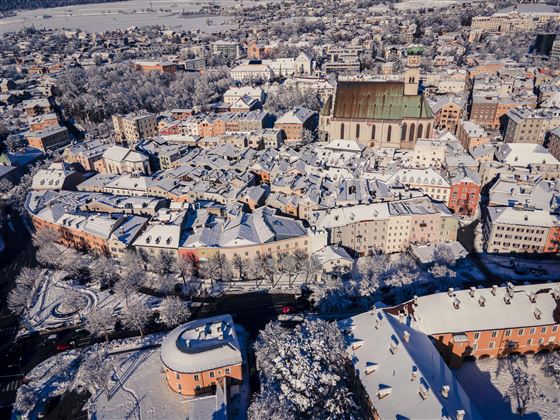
x=555 y=328
x=403 y=132
x=179 y=386
x=411 y=132
x=196 y=377
x=419 y=132
x=228 y=371
x=508 y=333
x=476 y=335
x=543 y=330
x=529 y=341
x=532 y=331
x=520 y=332
x=494 y=334
x=373 y=132
x=357 y=131
x=342 y=131
x=491 y=345
x=389 y=130
x=212 y=374
x=178 y=376
x=197 y=388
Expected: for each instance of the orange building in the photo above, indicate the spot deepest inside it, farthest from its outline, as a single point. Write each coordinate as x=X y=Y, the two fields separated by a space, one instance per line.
x=491 y=322
x=201 y=355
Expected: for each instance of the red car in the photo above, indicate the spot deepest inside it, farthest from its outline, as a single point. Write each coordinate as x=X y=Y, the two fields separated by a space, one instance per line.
x=63 y=347
x=288 y=309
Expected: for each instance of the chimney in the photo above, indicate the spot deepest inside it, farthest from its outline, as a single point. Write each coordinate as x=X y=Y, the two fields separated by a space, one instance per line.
x=384 y=391
x=460 y=414
x=445 y=391
x=472 y=290
x=394 y=346
x=532 y=297
x=537 y=312
x=414 y=374
x=456 y=303
x=450 y=291
x=415 y=300
x=406 y=336
x=482 y=301
x=357 y=344
x=371 y=367
x=507 y=299
x=494 y=289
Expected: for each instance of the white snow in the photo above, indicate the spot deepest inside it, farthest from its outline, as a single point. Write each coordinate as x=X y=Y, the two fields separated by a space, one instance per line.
x=486 y=381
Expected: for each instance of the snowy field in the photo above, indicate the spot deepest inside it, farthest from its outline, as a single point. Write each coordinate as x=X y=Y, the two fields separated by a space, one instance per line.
x=486 y=382
x=121 y=15
x=138 y=390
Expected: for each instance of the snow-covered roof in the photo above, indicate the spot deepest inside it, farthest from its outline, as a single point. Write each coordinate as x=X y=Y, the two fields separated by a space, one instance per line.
x=525 y=154
x=487 y=309
x=201 y=345
x=401 y=370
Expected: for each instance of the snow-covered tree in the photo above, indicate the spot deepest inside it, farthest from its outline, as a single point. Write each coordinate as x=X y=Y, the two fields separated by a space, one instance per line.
x=444 y=255
x=94 y=373
x=128 y=284
x=240 y=265
x=265 y=266
x=174 y=311
x=186 y=267
x=21 y=296
x=303 y=372
x=104 y=270
x=331 y=295
x=217 y=268
x=371 y=269
x=74 y=301
x=100 y=321
x=551 y=366
x=136 y=317
x=18 y=300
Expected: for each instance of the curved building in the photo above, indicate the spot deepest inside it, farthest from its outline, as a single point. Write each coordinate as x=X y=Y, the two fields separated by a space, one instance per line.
x=202 y=354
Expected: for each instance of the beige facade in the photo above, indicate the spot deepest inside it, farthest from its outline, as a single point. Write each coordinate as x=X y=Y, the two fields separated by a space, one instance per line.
x=134 y=127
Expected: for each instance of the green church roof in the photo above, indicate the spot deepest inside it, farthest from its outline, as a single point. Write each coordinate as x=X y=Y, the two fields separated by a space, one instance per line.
x=378 y=101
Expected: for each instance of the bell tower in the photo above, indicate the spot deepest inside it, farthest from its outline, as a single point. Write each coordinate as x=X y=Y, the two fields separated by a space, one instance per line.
x=411 y=81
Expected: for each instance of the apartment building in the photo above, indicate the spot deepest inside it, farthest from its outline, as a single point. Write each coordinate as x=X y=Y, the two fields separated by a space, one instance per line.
x=387 y=227
x=554 y=143
x=490 y=322
x=341 y=60
x=428 y=180
x=515 y=230
x=201 y=355
x=135 y=126
x=530 y=125
x=448 y=112
x=48 y=139
x=120 y=160
x=465 y=191
x=295 y=122
x=228 y=49
x=487 y=109
x=252 y=71
x=156 y=67
x=470 y=135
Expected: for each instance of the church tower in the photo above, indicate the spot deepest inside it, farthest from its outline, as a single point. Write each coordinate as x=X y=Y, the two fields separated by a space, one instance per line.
x=411 y=81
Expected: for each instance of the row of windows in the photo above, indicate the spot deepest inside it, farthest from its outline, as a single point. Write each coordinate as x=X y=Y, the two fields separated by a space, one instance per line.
x=520 y=332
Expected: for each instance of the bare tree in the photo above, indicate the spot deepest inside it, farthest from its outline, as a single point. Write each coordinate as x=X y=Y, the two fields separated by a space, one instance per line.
x=100 y=322
x=186 y=267
x=267 y=266
x=174 y=311
x=127 y=284
x=524 y=387
x=136 y=317
x=240 y=265
x=217 y=268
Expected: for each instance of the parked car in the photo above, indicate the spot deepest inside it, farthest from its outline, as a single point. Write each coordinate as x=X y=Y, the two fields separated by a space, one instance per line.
x=63 y=347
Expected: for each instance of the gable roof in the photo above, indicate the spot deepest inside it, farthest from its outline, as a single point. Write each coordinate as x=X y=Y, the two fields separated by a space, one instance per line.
x=378 y=100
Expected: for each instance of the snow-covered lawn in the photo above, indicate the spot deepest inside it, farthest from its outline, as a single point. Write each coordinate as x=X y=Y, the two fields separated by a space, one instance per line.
x=138 y=390
x=487 y=381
